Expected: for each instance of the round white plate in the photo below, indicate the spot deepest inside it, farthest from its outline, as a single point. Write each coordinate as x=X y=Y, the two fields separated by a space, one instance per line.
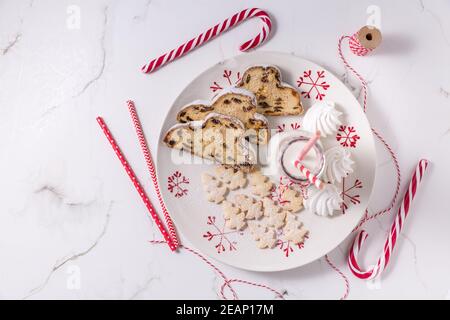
x=201 y=222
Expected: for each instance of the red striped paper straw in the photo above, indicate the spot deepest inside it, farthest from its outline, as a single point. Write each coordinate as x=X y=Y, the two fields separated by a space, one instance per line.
x=308 y=145
x=136 y=183
x=151 y=168
x=309 y=175
x=396 y=228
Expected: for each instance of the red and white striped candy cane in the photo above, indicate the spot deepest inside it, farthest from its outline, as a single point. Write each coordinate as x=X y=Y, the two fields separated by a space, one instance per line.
x=309 y=175
x=396 y=228
x=214 y=31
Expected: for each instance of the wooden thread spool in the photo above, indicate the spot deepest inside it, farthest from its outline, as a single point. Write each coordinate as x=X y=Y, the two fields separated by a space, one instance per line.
x=367 y=39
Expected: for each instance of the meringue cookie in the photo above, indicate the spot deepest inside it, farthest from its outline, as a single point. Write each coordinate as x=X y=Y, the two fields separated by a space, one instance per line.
x=322 y=116
x=338 y=164
x=323 y=202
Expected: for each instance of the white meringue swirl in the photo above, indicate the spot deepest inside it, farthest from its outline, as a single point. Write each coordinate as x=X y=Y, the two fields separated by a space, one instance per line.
x=338 y=164
x=323 y=202
x=323 y=117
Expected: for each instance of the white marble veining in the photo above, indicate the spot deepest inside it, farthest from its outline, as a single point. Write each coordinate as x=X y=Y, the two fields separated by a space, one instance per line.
x=72 y=226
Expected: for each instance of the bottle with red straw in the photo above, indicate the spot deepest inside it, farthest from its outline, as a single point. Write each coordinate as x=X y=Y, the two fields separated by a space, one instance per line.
x=305 y=171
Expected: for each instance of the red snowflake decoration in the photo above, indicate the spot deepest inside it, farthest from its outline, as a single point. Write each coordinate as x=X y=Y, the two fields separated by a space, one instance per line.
x=348 y=194
x=347 y=136
x=295 y=126
x=223 y=241
x=287 y=246
x=176 y=184
x=315 y=86
x=228 y=75
x=282 y=127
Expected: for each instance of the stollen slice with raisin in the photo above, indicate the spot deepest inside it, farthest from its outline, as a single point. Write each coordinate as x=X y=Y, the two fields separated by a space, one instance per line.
x=274 y=98
x=235 y=102
x=218 y=137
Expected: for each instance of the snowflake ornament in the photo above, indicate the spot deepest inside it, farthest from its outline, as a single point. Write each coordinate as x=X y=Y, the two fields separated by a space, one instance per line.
x=224 y=241
x=176 y=184
x=230 y=80
x=347 y=136
x=313 y=84
x=349 y=194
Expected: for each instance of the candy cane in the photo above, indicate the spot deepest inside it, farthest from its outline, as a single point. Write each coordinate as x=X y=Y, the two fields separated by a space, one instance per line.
x=214 y=31
x=396 y=228
x=309 y=175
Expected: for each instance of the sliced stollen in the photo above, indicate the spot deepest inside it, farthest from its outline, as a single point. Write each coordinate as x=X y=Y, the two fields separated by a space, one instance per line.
x=218 y=137
x=235 y=102
x=274 y=97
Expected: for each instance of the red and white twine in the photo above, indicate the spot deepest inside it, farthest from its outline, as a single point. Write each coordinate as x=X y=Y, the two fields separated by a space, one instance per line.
x=349 y=67
x=391 y=205
x=213 y=32
x=358 y=49
x=226 y=282
x=342 y=275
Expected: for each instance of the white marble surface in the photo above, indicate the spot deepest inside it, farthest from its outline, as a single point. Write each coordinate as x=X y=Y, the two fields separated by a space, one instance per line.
x=67 y=209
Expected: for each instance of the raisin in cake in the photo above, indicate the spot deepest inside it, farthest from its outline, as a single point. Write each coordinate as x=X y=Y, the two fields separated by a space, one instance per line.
x=274 y=97
x=235 y=102
x=218 y=137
